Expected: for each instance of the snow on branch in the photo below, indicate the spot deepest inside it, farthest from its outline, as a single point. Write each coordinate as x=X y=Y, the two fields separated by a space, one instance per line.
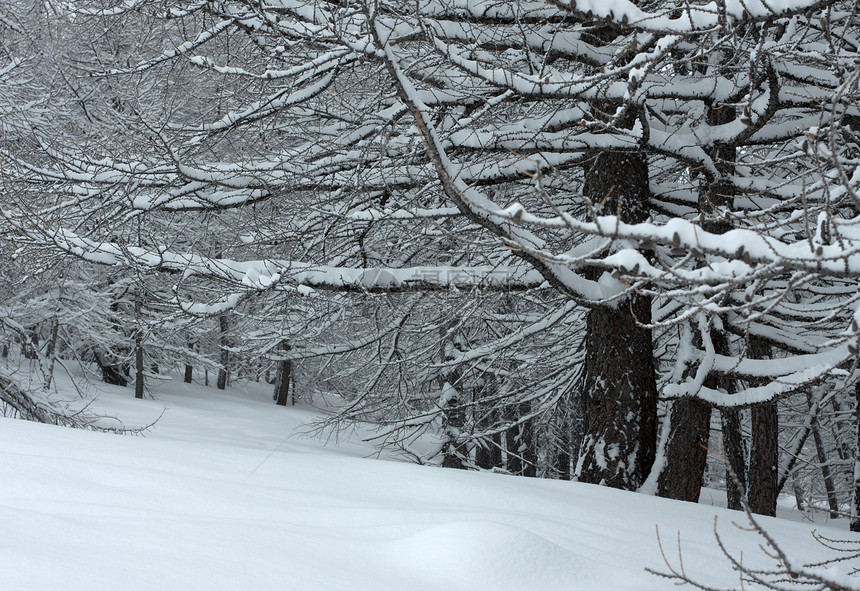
x=825 y=363
x=182 y=49
x=741 y=248
x=263 y=275
x=692 y=17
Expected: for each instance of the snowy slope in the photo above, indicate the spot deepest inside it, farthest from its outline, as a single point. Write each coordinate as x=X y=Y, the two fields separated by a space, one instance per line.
x=223 y=495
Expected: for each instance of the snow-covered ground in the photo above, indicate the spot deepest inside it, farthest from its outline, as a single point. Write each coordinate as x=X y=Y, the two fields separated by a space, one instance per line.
x=225 y=494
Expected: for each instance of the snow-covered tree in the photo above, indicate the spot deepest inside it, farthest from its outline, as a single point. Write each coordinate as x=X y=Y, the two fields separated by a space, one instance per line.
x=685 y=173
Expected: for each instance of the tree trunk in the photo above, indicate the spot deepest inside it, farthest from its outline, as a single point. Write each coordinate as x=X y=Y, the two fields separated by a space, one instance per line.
x=55 y=336
x=521 y=457
x=112 y=373
x=282 y=381
x=734 y=451
x=734 y=448
x=763 y=470
x=138 y=369
x=855 y=506
x=488 y=454
x=798 y=495
x=619 y=396
x=794 y=452
x=839 y=431
x=763 y=473
x=488 y=451
x=52 y=352
x=224 y=326
x=138 y=352
x=513 y=462
x=821 y=455
x=31 y=345
x=686 y=450
x=455 y=454
x=189 y=373
x=528 y=443
x=715 y=195
x=563 y=457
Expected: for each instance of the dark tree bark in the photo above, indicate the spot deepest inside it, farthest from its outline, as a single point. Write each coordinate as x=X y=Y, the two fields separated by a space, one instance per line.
x=488 y=451
x=113 y=373
x=734 y=447
x=224 y=326
x=763 y=470
x=619 y=395
x=138 y=369
x=619 y=399
x=455 y=454
x=282 y=381
x=798 y=495
x=716 y=195
x=189 y=373
x=451 y=457
x=52 y=352
x=763 y=473
x=55 y=337
x=520 y=453
x=455 y=451
x=855 y=506
x=563 y=464
x=513 y=463
x=31 y=346
x=838 y=430
x=821 y=456
x=686 y=450
x=794 y=453
x=527 y=441
x=734 y=451
x=138 y=352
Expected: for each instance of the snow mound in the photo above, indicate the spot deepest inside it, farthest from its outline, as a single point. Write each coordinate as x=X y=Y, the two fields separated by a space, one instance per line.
x=224 y=494
x=498 y=555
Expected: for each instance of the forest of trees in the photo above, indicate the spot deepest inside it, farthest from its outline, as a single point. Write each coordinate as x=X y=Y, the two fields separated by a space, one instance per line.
x=616 y=241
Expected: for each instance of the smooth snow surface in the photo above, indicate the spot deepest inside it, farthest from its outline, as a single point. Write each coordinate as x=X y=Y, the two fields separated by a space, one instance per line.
x=223 y=494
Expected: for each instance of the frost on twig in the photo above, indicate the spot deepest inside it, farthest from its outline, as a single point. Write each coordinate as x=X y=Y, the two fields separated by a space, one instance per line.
x=783 y=573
